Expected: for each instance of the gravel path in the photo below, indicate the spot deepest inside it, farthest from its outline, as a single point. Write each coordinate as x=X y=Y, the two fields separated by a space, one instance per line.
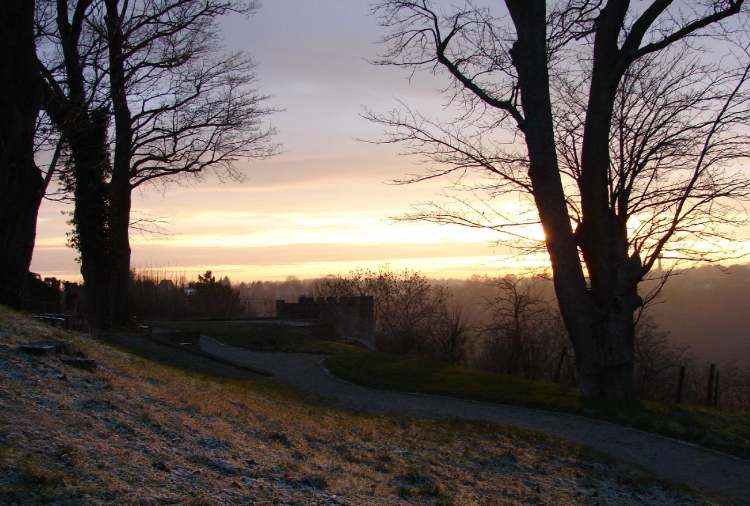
x=669 y=459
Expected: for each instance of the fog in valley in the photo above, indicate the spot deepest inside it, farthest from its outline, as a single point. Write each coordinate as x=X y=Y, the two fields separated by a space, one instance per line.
x=704 y=309
x=707 y=309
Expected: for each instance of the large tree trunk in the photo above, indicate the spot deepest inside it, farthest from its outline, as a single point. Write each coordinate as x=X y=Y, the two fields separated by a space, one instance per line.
x=119 y=225
x=86 y=135
x=119 y=188
x=86 y=132
x=21 y=195
x=88 y=145
x=529 y=55
x=599 y=317
x=605 y=364
x=605 y=370
x=21 y=185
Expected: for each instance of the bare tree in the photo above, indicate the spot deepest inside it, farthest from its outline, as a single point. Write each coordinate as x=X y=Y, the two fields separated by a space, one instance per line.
x=657 y=361
x=180 y=107
x=451 y=332
x=21 y=183
x=408 y=308
x=608 y=118
x=74 y=99
x=520 y=327
x=175 y=104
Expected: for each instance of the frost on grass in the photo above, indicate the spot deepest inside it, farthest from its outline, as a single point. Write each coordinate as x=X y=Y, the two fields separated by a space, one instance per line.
x=134 y=431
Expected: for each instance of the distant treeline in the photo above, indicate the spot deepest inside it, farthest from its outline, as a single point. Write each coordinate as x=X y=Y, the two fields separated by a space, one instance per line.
x=156 y=296
x=505 y=324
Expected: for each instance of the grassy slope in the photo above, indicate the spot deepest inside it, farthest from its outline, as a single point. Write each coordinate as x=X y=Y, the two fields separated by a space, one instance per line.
x=723 y=430
x=138 y=431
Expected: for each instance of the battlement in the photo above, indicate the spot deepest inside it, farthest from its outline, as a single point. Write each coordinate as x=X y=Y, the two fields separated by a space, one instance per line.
x=350 y=317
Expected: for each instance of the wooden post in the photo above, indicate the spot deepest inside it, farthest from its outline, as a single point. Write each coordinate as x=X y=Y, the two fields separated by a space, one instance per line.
x=560 y=364
x=710 y=393
x=680 y=384
x=716 y=389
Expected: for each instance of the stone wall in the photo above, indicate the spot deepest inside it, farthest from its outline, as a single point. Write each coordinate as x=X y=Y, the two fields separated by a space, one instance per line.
x=349 y=317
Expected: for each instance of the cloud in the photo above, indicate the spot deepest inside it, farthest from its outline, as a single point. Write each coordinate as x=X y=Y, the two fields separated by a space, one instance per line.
x=322 y=203
x=448 y=259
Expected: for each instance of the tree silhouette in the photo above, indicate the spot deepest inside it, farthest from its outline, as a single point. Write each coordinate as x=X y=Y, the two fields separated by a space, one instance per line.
x=180 y=107
x=214 y=298
x=21 y=184
x=174 y=104
x=628 y=134
x=75 y=100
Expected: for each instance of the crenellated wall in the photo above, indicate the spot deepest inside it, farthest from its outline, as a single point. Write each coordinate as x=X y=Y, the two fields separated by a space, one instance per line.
x=350 y=317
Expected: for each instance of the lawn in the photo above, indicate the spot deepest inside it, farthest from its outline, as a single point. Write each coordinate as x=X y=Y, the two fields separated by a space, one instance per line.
x=172 y=428
x=723 y=430
x=720 y=429
x=263 y=335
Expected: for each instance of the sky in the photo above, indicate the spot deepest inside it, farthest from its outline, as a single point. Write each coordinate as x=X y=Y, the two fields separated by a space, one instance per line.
x=324 y=205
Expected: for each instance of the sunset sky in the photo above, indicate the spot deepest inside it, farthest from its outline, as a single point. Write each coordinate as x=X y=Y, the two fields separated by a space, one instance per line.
x=323 y=205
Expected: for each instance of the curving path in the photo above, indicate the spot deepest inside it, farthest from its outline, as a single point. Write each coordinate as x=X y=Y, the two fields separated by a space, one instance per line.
x=668 y=458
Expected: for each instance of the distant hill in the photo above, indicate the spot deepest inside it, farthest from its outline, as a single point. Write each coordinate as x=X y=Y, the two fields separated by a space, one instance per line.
x=708 y=309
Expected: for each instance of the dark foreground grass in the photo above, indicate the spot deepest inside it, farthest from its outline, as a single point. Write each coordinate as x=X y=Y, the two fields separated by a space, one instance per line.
x=262 y=336
x=719 y=429
x=197 y=367
x=164 y=425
